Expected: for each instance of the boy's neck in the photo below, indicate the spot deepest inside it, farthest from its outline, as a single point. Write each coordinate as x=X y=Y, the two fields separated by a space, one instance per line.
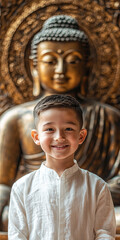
x=60 y=165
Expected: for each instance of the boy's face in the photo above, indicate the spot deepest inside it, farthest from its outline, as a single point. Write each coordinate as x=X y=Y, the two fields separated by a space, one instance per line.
x=59 y=133
x=60 y=66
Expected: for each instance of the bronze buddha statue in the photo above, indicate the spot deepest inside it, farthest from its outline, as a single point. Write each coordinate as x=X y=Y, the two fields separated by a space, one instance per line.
x=59 y=63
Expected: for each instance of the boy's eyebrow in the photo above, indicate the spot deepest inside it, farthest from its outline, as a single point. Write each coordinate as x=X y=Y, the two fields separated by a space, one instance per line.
x=48 y=123
x=72 y=123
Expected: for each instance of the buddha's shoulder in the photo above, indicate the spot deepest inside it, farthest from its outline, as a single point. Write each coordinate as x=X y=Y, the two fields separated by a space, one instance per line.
x=18 y=111
x=90 y=105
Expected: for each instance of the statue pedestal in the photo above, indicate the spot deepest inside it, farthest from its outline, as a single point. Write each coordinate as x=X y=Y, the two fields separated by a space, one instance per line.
x=4 y=236
x=117 y=214
x=117 y=237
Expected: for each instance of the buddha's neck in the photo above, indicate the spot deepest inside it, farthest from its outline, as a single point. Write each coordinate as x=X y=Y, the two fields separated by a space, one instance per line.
x=72 y=93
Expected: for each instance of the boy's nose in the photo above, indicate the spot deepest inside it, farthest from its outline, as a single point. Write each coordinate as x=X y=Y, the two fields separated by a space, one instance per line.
x=59 y=136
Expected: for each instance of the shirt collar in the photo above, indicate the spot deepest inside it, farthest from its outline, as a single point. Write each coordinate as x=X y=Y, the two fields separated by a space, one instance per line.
x=50 y=174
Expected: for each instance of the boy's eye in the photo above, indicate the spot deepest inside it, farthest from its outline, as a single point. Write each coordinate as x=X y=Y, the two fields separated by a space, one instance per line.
x=49 y=130
x=69 y=129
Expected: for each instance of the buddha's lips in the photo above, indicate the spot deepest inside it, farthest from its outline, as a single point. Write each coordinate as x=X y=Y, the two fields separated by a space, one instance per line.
x=60 y=80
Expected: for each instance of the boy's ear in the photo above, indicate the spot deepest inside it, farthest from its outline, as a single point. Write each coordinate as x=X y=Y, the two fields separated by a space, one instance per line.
x=35 y=137
x=83 y=134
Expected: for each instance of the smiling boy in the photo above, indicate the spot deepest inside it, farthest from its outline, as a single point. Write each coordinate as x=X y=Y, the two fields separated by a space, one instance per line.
x=60 y=201
x=59 y=133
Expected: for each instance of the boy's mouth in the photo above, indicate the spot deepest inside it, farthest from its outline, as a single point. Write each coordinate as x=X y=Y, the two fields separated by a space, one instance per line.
x=59 y=146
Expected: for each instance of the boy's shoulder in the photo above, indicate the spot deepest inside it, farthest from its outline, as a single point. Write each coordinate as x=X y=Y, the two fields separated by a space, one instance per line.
x=89 y=174
x=92 y=179
x=93 y=185
x=27 y=183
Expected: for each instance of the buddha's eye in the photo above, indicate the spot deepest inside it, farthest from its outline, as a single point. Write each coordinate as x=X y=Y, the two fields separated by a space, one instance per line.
x=48 y=59
x=73 y=59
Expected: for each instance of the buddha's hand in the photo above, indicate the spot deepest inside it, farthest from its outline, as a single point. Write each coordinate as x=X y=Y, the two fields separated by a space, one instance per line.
x=114 y=186
x=4 y=196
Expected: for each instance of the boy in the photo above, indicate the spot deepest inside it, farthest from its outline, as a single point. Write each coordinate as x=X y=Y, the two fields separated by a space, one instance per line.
x=60 y=201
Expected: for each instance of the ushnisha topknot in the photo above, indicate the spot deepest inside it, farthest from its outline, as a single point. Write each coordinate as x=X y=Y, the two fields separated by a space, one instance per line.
x=61 y=28
x=58 y=101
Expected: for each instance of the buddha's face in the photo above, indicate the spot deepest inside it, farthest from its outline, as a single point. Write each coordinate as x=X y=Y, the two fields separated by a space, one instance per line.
x=60 y=65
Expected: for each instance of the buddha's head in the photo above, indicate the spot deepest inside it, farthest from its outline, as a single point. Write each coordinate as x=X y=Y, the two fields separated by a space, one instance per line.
x=59 y=56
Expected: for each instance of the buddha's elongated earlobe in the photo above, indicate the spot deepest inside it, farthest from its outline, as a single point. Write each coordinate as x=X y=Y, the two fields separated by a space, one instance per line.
x=83 y=86
x=36 y=83
x=35 y=76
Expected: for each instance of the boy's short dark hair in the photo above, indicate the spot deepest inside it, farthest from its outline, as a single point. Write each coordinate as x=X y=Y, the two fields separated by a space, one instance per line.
x=58 y=101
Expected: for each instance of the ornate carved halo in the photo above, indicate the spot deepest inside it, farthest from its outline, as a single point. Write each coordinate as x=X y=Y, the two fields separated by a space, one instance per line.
x=103 y=35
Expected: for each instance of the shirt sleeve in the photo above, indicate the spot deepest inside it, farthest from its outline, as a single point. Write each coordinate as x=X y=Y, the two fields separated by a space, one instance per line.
x=17 y=224
x=105 y=224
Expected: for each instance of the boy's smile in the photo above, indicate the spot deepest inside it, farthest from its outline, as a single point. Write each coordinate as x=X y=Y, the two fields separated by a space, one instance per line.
x=59 y=135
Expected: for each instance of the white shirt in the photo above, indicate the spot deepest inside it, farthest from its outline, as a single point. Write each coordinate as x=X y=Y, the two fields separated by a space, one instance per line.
x=75 y=206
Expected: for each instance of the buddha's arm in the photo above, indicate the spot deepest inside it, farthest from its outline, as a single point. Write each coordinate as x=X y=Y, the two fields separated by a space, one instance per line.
x=114 y=186
x=9 y=155
x=102 y=145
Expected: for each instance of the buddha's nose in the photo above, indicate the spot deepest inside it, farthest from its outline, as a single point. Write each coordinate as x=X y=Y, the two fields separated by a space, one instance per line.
x=60 y=66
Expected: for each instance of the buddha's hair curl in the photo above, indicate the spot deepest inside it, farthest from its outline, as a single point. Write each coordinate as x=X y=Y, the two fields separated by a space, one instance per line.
x=60 y=28
x=58 y=101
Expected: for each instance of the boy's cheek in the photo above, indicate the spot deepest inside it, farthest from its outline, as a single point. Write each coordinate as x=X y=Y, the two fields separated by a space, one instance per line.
x=44 y=141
